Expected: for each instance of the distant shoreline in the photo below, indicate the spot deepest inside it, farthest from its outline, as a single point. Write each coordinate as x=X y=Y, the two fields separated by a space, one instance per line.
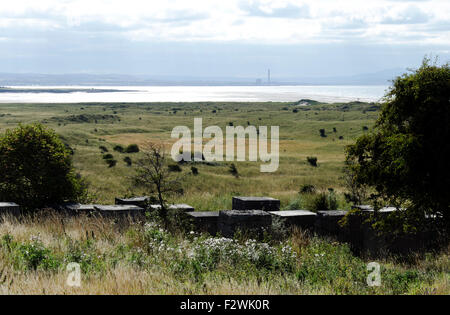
x=58 y=90
x=148 y=94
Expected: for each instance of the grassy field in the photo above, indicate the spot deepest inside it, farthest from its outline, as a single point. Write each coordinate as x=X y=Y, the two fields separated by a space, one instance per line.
x=145 y=259
x=86 y=127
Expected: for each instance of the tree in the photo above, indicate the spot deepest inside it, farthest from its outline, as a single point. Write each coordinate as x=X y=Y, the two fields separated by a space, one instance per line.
x=405 y=158
x=153 y=173
x=36 y=168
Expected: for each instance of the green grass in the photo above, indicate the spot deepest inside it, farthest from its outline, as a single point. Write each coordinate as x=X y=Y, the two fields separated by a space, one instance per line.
x=141 y=259
x=86 y=127
x=146 y=259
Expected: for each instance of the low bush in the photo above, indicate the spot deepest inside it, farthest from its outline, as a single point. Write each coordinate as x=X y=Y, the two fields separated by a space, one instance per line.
x=132 y=148
x=128 y=160
x=312 y=160
x=119 y=148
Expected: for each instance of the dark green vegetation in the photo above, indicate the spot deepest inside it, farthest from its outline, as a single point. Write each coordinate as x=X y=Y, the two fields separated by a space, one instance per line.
x=405 y=158
x=37 y=168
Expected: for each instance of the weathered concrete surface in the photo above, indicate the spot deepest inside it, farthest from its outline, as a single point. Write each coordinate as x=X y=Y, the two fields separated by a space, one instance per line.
x=363 y=238
x=370 y=209
x=253 y=222
x=367 y=208
x=120 y=211
x=9 y=208
x=301 y=218
x=77 y=209
x=256 y=203
x=135 y=201
x=204 y=221
x=327 y=222
x=179 y=206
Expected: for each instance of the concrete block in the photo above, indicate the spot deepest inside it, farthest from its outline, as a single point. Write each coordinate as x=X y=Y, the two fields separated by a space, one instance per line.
x=302 y=218
x=135 y=201
x=364 y=208
x=204 y=221
x=120 y=211
x=9 y=208
x=248 y=221
x=77 y=209
x=327 y=221
x=256 y=203
x=180 y=206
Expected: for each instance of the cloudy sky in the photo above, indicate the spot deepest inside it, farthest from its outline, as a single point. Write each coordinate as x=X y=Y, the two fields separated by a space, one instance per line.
x=218 y=38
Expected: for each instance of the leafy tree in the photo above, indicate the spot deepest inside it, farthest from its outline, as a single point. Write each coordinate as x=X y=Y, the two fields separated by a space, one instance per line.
x=36 y=168
x=405 y=159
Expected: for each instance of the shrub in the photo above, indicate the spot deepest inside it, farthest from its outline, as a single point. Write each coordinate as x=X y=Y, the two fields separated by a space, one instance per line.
x=322 y=133
x=37 y=168
x=174 y=168
x=108 y=156
x=312 y=160
x=119 y=148
x=128 y=160
x=233 y=170
x=132 y=148
x=307 y=189
x=111 y=162
x=295 y=204
x=323 y=201
x=194 y=170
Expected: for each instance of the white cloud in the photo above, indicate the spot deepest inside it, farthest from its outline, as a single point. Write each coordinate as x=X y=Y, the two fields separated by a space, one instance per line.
x=258 y=21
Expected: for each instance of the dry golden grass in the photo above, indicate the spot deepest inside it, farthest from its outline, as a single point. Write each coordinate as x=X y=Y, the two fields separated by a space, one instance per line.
x=123 y=277
x=140 y=123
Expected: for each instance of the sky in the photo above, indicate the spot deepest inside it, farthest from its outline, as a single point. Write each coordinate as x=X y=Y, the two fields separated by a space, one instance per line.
x=218 y=38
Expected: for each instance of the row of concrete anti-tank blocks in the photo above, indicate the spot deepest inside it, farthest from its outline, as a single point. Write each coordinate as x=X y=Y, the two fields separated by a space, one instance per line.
x=248 y=213
x=256 y=215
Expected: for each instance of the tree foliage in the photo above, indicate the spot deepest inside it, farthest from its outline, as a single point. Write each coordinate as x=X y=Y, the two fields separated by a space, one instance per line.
x=36 y=168
x=405 y=158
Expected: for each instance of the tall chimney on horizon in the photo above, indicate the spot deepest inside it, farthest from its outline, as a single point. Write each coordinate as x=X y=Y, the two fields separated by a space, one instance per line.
x=268 y=76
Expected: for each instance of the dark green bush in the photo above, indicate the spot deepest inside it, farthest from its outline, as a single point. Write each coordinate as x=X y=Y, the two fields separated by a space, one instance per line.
x=128 y=160
x=233 y=170
x=132 y=148
x=312 y=160
x=324 y=201
x=307 y=189
x=118 y=148
x=322 y=133
x=174 y=168
x=36 y=168
x=111 y=162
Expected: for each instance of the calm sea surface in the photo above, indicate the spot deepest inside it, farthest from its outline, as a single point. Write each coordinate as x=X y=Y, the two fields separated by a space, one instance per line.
x=200 y=93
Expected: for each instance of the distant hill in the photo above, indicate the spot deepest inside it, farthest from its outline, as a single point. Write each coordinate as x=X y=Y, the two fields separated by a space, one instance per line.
x=18 y=79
